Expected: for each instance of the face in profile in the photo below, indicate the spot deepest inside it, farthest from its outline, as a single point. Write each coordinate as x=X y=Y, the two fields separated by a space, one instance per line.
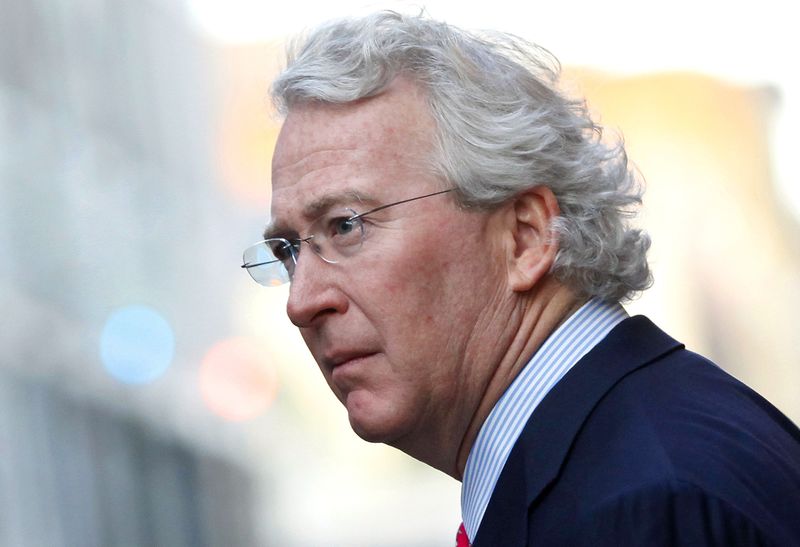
x=389 y=325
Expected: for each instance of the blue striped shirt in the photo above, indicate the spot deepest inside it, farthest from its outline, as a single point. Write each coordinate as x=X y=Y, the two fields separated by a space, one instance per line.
x=563 y=348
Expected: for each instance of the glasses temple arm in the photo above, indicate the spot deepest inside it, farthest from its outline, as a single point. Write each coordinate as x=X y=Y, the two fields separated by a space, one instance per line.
x=382 y=207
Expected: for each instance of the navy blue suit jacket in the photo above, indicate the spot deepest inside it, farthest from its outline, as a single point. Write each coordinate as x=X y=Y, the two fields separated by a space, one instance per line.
x=644 y=443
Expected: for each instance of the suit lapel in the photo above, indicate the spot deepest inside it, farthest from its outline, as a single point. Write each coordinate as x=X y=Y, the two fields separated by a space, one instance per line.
x=544 y=444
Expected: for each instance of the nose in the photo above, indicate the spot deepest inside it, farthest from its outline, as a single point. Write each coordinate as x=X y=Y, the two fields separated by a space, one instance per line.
x=315 y=291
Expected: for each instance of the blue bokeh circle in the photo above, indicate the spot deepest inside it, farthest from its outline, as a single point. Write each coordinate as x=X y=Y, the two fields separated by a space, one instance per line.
x=137 y=344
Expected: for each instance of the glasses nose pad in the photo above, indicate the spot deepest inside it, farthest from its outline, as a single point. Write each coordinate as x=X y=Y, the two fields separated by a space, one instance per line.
x=309 y=242
x=315 y=244
x=291 y=264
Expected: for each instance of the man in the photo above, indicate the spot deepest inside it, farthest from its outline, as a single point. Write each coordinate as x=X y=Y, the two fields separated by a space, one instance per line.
x=454 y=233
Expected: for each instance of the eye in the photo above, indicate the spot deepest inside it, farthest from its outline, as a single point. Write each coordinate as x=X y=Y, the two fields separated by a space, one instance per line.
x=283 y=250
x=342 y=226
x=345 y=231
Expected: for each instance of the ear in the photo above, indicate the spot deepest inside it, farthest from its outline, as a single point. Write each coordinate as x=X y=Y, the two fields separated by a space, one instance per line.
x=533 y=248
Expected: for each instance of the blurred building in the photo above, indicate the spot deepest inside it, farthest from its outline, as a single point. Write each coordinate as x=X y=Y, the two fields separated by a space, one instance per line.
x=107 y=199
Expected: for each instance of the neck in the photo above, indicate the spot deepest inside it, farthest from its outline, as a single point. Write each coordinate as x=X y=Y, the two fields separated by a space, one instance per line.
x=540 y=313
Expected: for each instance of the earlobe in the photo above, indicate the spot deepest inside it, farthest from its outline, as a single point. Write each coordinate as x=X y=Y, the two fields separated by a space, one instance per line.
x=534 y=246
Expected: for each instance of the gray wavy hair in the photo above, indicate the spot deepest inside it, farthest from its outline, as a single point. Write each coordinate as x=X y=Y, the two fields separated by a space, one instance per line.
x=503 y=127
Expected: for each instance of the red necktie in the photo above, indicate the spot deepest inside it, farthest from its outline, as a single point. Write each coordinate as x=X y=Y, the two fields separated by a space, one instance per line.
x=461 y=537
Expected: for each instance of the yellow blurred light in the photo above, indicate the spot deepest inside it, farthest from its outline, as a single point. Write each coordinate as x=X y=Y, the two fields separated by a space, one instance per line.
x=247 y=126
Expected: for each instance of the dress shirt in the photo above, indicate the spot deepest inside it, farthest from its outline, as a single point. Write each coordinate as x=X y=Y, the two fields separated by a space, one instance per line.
x=560 y=352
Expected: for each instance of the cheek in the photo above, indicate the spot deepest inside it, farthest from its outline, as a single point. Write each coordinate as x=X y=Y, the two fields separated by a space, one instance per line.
x=415 y=288
x=414 y=275
x=421 y=279
x=438 y=299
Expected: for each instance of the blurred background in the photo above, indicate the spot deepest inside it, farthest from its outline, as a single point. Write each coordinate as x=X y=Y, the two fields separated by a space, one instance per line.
x=152 y=394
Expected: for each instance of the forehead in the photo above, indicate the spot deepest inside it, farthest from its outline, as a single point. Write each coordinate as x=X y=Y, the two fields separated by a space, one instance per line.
x=364 y=148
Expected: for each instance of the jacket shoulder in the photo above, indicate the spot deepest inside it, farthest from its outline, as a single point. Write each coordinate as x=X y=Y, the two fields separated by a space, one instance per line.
x=682 y=430
x=686 y=515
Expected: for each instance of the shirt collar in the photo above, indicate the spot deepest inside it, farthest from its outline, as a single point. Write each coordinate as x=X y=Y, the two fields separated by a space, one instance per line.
x=573 y=339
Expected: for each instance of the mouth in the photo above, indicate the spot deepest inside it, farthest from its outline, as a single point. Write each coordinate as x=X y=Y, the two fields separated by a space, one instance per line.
x=339 y=362
x=346 y=359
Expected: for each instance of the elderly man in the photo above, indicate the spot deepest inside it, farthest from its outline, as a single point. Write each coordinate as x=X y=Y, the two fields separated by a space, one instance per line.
x=454 y=232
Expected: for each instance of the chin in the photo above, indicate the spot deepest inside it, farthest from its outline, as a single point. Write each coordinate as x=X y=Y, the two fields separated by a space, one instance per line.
x=377 y=423
x=370 y=435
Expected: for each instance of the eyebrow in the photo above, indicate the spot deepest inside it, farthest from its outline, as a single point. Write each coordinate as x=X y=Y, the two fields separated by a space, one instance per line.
x=317 y=208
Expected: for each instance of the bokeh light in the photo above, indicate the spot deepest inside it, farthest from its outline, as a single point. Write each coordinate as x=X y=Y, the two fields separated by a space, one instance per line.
x=237 y=380
x=137 y=344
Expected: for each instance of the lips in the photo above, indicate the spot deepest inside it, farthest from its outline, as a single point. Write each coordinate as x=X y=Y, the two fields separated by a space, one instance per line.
x=348 y=371
x=337 y=359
